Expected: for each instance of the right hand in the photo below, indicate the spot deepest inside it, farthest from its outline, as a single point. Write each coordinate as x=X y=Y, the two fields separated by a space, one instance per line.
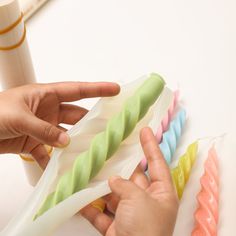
x=140 y=207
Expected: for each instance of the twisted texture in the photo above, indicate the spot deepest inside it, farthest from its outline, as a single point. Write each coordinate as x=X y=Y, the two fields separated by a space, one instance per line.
x=105 y=144
x=164 y=124
x=206 y=216
x=172 y=136
x=180 y=174
x=167 y=119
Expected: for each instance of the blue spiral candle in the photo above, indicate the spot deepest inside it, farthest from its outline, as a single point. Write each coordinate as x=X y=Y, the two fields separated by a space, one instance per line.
x=172 y=136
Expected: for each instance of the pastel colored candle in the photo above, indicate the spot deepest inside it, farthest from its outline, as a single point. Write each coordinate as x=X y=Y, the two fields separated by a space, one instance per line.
x=105 y=144
x=167 y=119
x=181 y=173
x=172 y=136
x=164 y=124
x=207 y=213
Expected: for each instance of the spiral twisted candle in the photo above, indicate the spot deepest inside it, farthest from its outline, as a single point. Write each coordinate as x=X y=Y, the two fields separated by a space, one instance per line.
x=206 y=216
x=167 y=119
x=105 y=144
x=164 y=124
x=172 y=135
x=180 y=174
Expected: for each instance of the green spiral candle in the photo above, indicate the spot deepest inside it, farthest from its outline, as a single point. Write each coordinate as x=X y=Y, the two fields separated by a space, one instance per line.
x=105 y=144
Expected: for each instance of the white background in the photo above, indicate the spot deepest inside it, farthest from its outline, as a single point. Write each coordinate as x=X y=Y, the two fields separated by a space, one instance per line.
x=190 y=43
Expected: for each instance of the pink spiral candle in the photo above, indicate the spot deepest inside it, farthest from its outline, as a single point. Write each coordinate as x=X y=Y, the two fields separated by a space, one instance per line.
x=167 y=119
x=206 y=216
x=164 y=124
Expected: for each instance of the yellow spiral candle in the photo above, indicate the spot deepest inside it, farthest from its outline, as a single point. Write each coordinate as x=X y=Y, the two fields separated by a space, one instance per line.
x=180 y=174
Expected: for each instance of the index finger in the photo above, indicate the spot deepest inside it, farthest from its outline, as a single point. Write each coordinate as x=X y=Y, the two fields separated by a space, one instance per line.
x=73 y=91
x=157 y=167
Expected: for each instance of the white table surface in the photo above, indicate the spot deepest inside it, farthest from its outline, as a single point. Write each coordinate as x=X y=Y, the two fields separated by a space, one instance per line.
x=190 y=43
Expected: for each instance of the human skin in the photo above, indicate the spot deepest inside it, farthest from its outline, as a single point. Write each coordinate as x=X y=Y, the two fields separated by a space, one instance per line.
x=139 y=206
x=30 y=116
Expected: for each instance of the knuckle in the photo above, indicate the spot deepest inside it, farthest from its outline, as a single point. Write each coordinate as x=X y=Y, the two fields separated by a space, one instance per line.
x=138 y=194
x=81 y=91
x=32 y=88
x=48 y=132
x=100 y=91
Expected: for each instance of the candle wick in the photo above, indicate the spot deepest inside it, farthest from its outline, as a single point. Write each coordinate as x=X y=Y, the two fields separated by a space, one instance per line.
x=212 y=138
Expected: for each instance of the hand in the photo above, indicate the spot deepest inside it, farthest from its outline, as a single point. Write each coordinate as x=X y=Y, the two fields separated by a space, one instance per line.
x=30 y=115
x=140 y=207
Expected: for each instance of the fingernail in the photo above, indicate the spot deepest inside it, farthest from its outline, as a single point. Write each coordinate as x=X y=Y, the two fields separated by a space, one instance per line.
x=114 y=178
x=63 y=139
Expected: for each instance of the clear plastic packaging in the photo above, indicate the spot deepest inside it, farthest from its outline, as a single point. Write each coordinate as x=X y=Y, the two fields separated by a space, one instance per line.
x=122 y=163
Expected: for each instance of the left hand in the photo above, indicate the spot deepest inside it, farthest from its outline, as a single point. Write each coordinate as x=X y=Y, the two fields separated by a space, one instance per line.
x=30 y=115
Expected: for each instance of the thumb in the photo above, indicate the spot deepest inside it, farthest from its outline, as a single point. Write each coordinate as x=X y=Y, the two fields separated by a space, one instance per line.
x=124 y=189
x=44 y=132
